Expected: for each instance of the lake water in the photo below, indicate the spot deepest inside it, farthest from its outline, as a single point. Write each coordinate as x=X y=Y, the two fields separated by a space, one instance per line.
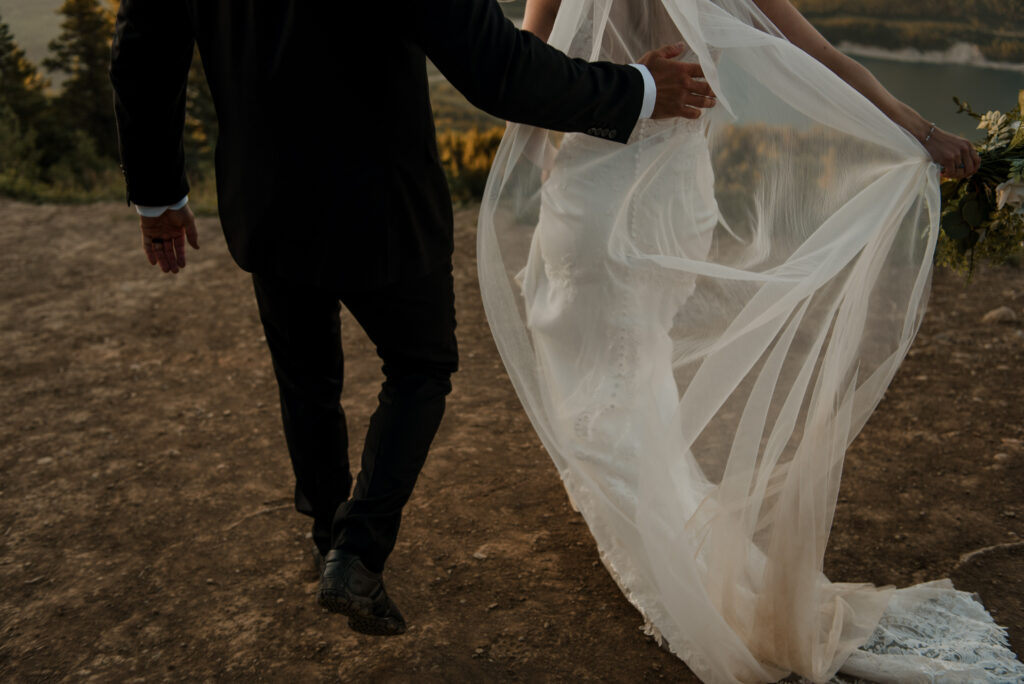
x=929 y=88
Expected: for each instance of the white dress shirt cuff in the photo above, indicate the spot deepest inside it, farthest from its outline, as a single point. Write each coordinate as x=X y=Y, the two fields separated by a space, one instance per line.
x=650 y=91
x=153 y=212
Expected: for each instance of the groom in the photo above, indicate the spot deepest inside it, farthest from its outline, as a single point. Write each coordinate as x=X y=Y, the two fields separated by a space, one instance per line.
x=330 y=190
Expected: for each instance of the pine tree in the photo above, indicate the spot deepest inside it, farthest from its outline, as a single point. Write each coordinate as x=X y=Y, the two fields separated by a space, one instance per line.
x=82 y=51
x=21 y=86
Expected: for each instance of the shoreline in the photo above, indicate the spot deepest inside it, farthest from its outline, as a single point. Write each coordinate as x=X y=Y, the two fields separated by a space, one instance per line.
x=963 y=54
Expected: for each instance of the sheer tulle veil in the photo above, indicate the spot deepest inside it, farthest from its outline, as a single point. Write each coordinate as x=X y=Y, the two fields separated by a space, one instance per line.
x=737 y=294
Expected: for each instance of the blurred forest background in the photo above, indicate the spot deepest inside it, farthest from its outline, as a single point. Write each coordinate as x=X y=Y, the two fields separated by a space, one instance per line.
x=57 y=134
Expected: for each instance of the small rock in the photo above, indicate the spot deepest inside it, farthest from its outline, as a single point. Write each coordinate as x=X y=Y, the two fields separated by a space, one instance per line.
x=44 y=460
x=1001 y=457
x=480 y=554
x=492 y=606
x=1009 y=514
x=1003 y=314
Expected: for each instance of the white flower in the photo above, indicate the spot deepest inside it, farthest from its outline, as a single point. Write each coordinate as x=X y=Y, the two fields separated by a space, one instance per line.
x=992 y=121
x=1010 y=193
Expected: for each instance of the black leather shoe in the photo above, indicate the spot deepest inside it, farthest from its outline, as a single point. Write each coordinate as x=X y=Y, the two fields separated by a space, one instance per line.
x=349 y=588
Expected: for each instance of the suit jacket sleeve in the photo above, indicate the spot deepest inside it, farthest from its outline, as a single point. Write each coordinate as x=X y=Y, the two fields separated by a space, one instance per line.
x=514 y=75
x=150 y=59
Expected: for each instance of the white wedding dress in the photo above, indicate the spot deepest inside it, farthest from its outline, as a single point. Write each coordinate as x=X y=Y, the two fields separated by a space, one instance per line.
x=699 y=322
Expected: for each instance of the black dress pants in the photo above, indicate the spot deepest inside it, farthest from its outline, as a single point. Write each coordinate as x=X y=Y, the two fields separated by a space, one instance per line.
x=412 y=324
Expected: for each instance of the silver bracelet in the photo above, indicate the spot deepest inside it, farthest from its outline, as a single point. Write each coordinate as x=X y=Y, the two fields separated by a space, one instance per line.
x=929 y=136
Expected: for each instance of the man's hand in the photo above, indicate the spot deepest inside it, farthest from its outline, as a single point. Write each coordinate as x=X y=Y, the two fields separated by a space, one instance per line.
x=163 y=238
x=679 y=91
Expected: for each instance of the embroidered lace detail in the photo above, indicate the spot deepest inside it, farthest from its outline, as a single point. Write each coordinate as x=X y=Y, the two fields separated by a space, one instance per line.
x=936 y=634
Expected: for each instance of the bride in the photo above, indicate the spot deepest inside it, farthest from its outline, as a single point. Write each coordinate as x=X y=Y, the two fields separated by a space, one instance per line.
x=699 y=322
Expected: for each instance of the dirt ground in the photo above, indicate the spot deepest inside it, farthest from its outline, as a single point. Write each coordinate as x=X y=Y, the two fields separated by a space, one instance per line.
x=146 y=531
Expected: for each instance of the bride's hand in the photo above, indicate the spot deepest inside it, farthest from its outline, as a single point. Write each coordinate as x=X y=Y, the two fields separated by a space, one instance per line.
x=679 y=91
x=954 y=154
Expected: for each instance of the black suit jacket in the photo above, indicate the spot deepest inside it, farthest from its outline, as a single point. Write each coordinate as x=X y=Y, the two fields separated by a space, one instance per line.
x=327 y=164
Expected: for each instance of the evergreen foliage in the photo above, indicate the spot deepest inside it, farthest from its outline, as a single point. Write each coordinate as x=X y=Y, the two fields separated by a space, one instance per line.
x=64 y=148
x=82 y=51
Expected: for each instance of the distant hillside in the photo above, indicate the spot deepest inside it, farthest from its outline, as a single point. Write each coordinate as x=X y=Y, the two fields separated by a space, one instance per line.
x=985 y=14
x=995 y=26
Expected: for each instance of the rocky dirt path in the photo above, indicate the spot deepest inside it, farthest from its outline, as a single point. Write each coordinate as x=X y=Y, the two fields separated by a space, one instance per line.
x=145 y=523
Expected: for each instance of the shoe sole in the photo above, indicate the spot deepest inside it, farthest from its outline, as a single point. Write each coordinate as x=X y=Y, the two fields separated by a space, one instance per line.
x=360 y=617
x=346 y=605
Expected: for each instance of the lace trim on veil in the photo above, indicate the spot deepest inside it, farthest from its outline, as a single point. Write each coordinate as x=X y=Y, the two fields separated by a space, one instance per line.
x=930 y=633
x=934 y=633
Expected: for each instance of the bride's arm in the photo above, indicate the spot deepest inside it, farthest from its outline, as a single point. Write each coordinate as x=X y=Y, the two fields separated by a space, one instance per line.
x=949 y=150
x=540 y=17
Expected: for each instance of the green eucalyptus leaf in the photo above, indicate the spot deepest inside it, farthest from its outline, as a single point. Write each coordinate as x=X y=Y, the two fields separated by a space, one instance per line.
x=955 y=226
x=985 y=205
x=972 y=212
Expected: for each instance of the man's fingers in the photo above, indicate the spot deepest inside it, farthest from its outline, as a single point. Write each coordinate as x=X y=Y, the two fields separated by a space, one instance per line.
x=179 y=249
x=192 y=234
x=692 y=69
x=700 y=87
x=671 y=51
x=161 y=258
x=168 y=256
x=688 y=74
x=158 y=251
x=147 y=247
x=695 y=100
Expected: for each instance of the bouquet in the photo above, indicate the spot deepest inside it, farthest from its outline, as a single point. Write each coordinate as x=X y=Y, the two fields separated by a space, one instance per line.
x=984 y=214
